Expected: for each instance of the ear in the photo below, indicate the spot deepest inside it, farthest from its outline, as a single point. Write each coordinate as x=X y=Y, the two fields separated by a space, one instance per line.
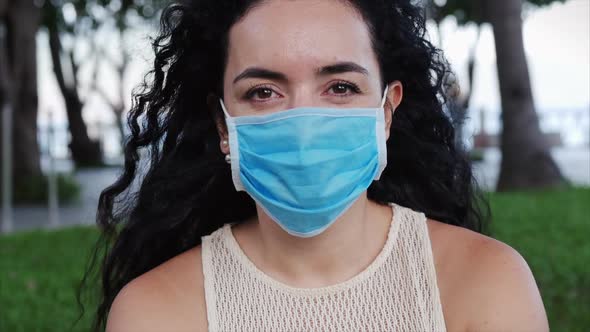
x=214 y=108
x=395 y=93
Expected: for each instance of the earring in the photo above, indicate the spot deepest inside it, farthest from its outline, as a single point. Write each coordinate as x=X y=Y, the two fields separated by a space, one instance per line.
x=227 y=156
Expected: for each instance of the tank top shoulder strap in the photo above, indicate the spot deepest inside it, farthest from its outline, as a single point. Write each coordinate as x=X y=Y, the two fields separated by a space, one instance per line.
x=415 y=243
x=211 y=245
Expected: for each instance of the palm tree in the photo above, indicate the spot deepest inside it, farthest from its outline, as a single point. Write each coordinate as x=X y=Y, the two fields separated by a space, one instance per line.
x=526 y=158
x=19 y=20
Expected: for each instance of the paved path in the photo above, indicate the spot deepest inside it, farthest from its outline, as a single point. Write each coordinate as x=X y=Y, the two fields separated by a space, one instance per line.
x=575 y=163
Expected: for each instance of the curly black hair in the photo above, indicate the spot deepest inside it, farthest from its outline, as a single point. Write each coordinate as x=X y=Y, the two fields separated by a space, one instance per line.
x=176 y=187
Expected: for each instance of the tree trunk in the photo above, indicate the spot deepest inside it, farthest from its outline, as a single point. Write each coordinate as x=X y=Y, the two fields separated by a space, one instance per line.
x=526 y=159
x=85 y=152
x=18 y=84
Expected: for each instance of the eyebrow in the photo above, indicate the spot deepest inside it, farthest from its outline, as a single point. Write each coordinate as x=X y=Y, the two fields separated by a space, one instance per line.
x=337 y=68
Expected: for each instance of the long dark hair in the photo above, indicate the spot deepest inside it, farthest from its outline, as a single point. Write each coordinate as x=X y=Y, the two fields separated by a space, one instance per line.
x=176 y=186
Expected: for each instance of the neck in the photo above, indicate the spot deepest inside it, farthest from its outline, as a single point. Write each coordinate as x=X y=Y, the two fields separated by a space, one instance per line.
x=343 y=250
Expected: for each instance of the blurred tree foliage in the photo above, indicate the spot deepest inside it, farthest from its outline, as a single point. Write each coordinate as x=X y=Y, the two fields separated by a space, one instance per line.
x=526 y=159
x=74 y=22
x=469 y=11
x=34 y=190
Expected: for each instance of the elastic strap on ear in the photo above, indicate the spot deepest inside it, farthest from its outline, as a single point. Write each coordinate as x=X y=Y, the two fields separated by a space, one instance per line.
x=380 y=132
x=384 y=96
x=223 y=108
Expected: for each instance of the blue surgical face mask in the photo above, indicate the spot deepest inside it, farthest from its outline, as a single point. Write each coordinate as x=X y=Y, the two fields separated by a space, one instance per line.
x=307 y=165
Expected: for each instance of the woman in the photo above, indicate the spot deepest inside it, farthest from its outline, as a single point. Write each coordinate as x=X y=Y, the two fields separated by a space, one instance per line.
x=303 y=176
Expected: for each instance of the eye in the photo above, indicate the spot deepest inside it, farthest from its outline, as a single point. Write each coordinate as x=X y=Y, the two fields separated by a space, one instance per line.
x=343 y=89
x=259 y=93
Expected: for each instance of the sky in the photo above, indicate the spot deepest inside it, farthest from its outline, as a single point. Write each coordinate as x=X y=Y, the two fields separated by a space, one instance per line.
x=557 y=45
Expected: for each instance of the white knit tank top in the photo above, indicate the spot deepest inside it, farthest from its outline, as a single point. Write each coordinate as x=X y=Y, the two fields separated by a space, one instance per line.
x=397 y=292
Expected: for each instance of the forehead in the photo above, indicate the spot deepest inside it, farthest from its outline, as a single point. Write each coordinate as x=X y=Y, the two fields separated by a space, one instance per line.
x=297 y=34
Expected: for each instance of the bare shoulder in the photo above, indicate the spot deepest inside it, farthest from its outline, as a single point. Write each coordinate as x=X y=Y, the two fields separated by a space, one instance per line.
x=169 y=297
x=486 y=283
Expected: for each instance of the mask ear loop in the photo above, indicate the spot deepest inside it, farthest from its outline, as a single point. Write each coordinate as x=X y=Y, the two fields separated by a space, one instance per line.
x=384 y=96
x=234 y=156
x=223 y=108
x=380 y=136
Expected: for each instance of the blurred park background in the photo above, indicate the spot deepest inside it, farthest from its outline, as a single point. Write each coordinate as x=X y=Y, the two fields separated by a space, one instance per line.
x=68 y=68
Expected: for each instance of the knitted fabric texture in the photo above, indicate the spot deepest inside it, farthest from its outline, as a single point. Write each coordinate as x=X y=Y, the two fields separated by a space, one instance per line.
x=397 y=292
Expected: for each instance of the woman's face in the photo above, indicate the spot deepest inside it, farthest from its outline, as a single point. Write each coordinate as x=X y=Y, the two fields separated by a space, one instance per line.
x=286 y=54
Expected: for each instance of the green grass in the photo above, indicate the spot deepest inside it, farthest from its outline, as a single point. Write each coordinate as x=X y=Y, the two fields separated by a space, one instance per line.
x=551 y=231
x=39 y=270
